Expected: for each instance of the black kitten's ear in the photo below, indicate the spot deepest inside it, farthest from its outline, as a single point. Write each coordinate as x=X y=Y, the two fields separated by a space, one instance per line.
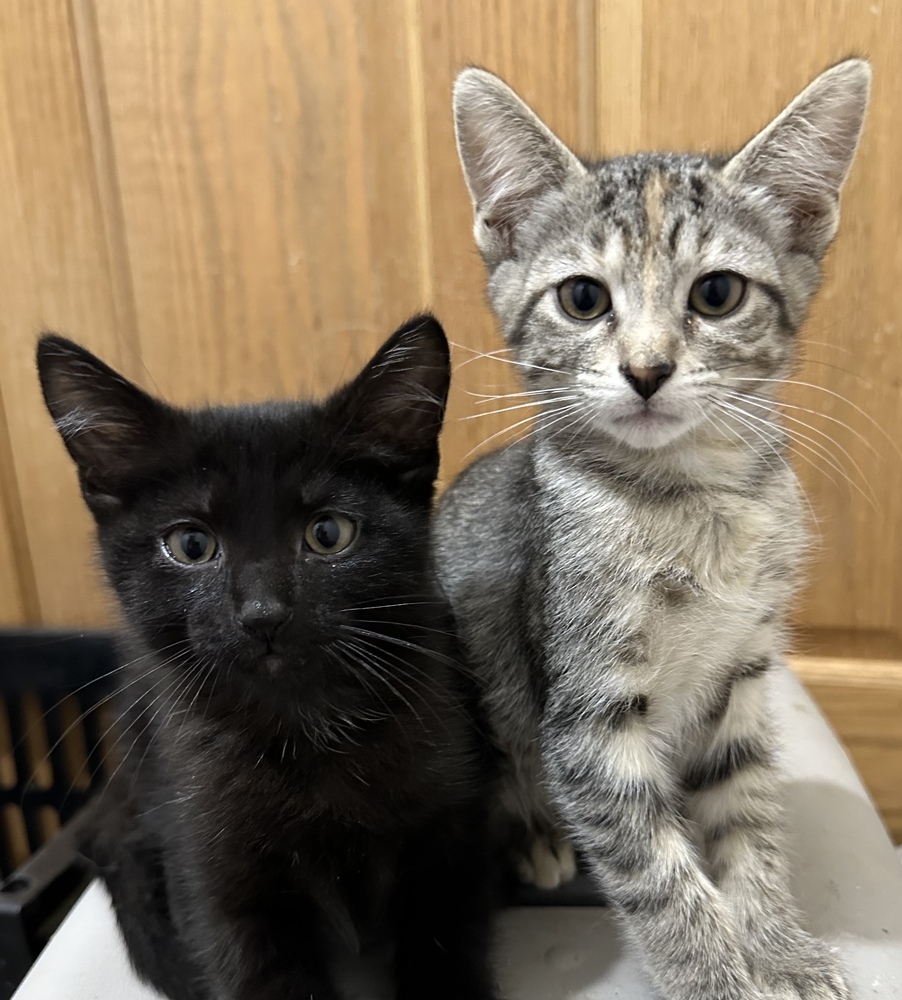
x=111 y=427
x=393 y=410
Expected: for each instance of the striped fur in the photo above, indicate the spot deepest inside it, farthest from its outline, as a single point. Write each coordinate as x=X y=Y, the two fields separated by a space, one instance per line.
x=621 y=577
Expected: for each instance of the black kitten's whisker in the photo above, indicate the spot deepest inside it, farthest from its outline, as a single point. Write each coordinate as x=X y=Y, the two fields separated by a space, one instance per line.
x=158 y=699
x=400 y=671
x=407 y=644
x=80 y=718
x=120 y=733
x=406 y=625
x=400 y=602
x=367 y=660
x=208 y=669
x=82 y=687
x=418 y=683
x=340 y=644
x=168 y=702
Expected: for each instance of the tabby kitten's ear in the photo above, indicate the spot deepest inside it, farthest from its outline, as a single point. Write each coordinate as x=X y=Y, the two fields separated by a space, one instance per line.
x=393 y=411
x=803 y=156
x=112 y=428
x=509 y=156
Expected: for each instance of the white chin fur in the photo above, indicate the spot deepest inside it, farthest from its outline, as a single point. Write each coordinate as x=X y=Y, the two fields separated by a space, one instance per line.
x=646 y=435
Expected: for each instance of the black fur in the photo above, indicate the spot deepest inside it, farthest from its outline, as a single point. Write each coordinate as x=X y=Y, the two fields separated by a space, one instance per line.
x=302 y=786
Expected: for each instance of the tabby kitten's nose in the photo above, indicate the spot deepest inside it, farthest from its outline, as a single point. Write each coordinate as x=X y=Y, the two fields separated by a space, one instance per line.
x=647 y=381
x=264 y=619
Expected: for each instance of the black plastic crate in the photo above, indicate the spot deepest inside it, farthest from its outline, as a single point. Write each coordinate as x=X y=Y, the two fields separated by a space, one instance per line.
x=55 y=736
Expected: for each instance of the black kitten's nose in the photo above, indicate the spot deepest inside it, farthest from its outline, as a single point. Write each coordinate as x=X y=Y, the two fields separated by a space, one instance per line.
x=264 y=619
x=647 y=381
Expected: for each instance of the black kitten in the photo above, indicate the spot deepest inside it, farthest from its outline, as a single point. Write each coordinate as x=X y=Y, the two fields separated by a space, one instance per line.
x=303 y=785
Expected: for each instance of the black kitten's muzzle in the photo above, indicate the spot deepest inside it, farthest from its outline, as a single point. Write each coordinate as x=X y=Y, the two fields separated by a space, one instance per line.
x=264 y=620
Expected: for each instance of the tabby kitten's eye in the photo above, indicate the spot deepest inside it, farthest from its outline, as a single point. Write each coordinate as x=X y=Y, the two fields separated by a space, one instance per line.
x=191 y=546
x=584 y=298
x=717 y=294
x=330 y=533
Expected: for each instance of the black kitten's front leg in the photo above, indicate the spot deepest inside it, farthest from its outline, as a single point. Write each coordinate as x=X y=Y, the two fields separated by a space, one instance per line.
x=259 y=940
x=259 y=959
x=445 y=907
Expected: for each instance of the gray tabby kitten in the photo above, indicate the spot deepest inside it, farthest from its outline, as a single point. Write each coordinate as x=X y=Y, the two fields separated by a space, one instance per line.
x=621 y=578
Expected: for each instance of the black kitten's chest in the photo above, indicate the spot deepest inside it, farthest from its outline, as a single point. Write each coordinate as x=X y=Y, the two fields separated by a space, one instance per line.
x=353 y=876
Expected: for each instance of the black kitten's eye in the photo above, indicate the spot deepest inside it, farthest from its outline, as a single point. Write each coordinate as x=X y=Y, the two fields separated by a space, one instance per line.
x=584 y=298
x=717 y=294
x=191 y=546
x=330 y=533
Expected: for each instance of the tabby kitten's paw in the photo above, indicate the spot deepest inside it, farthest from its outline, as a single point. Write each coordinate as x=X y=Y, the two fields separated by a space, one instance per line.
x=813 y=972
x=549 y=863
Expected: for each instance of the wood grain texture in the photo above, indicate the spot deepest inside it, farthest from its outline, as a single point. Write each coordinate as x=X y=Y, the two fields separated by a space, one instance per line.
x=18 y=601
x=546 y=52
x=714 y=73
x=266 y=157
x=867 y=717
x=239 y=201
x=56 y=275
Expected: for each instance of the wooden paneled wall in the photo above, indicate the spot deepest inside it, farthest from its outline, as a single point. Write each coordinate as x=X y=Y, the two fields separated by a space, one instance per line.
x=238 y=200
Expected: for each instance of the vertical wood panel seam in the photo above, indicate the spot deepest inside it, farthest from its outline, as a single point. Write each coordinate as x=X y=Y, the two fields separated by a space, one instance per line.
x=413 y=24
x=15 y=525
x=87 y=53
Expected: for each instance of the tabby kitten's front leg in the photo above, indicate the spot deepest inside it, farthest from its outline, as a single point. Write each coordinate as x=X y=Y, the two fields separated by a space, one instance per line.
x=732 y=783
x=622 y=803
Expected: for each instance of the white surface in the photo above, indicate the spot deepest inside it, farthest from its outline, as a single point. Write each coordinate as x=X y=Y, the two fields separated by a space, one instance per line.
x=848 y=882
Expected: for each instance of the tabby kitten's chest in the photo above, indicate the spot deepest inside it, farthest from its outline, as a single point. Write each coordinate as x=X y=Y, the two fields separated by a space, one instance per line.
x=689 y=578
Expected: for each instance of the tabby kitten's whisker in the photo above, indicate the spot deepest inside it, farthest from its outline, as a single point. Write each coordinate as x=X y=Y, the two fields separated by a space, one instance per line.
x=745 y=420
x=815 y=430
x=775 y=448
x=520 y=406
x=783 y=405
x=816 y=448
x=829 y=392
x=495 y=356
x=508 y=429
